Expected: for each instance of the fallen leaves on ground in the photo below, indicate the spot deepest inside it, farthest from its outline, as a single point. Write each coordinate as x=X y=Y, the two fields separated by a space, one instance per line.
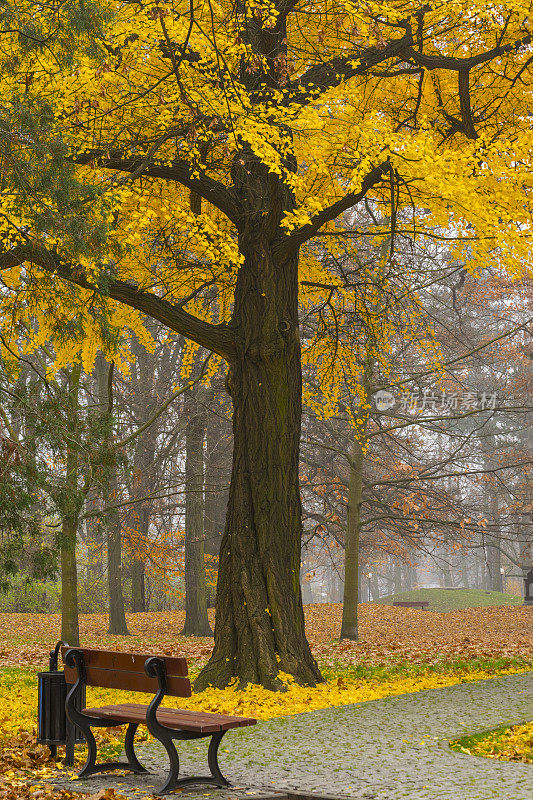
x=509 y=744
x=427 y=650
x=386 y=635
x=23 y=760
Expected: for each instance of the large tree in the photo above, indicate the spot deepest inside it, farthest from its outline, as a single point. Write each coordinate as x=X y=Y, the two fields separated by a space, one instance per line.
x=185 y=148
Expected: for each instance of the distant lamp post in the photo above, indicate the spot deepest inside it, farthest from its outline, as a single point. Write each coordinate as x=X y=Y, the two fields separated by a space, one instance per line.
x=528 y=588
x=369 y=579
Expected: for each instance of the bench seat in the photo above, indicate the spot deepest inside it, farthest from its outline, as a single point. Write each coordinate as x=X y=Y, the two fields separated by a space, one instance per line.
x=175 y=718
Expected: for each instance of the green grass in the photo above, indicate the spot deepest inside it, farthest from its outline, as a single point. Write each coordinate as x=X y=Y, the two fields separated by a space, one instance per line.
x=454 y=599
x=470 y=741
x=385 y=672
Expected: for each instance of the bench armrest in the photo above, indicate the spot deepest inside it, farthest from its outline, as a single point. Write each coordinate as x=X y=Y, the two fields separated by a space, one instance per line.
x=74 y=658
x=155 y=668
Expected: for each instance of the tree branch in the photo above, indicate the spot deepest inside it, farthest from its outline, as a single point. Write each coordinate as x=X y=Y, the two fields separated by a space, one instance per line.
x=180 y=171
x=321 y=77
x=217 y=338
x=303 y=234
x=452 y=63
x=163 y=408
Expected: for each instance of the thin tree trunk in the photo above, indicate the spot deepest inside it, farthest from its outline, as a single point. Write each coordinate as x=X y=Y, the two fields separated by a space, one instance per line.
x=259 y=626
x=117 y=613
x=446 y=573
x=196 y=621
x=138 y=577
x=138 y=587
x=349 y=625
x=70 y=630
x=109 y=491
x=464 y=572
x=494 y=556
x=352 y=583
x=397 y=577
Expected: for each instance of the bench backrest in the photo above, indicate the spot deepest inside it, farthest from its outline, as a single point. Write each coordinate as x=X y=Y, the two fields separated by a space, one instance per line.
x=114 y=670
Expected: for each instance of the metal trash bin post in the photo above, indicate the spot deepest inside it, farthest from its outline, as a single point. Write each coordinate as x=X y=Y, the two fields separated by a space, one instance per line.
x=54 y=726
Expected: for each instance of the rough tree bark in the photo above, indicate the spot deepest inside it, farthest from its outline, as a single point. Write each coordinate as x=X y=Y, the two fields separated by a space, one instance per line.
x=259 y=626
x=218 y=449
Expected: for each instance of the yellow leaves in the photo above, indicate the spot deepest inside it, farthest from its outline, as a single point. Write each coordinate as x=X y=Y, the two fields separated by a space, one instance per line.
x=409 y=117
x=508 y=744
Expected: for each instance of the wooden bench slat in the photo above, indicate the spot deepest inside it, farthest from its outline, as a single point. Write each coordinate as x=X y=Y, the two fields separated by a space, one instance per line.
x=134 y=662
x=129 y=681
x=206 y=716
x=178 y=719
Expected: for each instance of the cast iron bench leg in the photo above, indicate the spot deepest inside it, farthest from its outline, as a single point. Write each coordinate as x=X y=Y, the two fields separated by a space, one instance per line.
x=174 y=782
x=91 y=767
x=212 y=758
x=173 y=757
x=133 y=762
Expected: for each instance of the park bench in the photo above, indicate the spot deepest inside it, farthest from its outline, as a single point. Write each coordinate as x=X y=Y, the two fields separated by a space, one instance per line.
x=158 y=675
x=411 y=603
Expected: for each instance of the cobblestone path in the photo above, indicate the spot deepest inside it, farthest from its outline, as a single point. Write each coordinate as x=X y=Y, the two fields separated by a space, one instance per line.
x=380 y=750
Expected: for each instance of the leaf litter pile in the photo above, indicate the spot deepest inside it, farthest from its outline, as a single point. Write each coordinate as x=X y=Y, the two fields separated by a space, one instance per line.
x=400 y=650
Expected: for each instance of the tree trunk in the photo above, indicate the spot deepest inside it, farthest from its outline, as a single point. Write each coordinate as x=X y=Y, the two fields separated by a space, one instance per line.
x=464 y=572
x=259 y=626
x=494 y=556
x=218 y=449
x=109 y=491
x=138 y=588
x=196 y=621
x=352 y=578
x=138 y=579
x=117 y=614
x=349 y=629
x=398 y=587
x=139 y=516
x=70 y=630
x=447 y=581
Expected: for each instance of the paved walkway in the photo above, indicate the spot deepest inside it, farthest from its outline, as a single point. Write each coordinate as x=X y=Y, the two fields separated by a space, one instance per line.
x=380 y=750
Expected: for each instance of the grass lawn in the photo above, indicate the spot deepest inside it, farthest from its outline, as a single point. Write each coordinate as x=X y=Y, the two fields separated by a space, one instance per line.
x=454 y=599
x=505 y=744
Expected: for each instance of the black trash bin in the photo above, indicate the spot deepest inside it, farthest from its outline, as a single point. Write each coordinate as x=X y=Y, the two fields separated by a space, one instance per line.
x=54 y=726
